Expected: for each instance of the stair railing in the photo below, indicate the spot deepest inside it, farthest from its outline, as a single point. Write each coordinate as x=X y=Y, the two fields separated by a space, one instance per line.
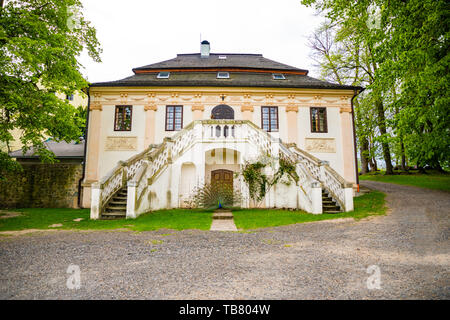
x=340 y=190
x=115 y=180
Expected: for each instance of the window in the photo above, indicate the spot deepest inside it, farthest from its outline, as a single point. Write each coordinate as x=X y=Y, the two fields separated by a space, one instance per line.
x=319 y=120
x=122 y=121
x=223 y=75
x=269 y=119
x=278 y=76
x=163 y=75
x=222 y=57
x=69 y=97
x=174 y=118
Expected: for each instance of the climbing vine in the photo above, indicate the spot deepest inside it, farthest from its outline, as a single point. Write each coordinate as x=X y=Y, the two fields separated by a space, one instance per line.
x=259 y=183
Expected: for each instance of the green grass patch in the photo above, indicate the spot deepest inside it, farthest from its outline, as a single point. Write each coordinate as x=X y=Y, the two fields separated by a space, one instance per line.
x=181 y=219
x=177 y=219
x=431 y=180
x=372 y=203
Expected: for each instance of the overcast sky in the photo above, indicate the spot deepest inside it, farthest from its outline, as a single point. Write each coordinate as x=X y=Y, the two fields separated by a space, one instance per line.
x=134 y=33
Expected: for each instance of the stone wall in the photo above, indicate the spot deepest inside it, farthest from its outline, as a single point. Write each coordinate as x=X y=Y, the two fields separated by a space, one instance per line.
x=42 y=186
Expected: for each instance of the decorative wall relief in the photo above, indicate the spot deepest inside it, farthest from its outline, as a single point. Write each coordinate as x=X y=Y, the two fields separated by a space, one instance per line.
x=324 y=145
x=121 y=143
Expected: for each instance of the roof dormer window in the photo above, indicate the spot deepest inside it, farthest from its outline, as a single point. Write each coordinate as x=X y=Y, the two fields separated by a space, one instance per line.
x=223 y=75
x=278 y=76
x=163 y=75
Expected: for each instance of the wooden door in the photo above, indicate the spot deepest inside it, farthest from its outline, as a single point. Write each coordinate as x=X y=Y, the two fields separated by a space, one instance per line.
x=222 y=176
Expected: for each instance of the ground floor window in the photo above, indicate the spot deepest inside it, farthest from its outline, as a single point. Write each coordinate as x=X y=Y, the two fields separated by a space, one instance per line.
x=269 y=119
x=122 y=121
x=174 y=118
x=319 y=120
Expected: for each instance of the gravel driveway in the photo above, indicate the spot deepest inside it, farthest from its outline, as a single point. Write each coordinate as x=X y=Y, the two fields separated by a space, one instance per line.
x=320 y=260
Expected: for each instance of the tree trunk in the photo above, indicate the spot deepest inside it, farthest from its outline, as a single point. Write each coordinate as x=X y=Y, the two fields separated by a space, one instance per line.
x=363 y=150
x=384 y=144
x=403 y=163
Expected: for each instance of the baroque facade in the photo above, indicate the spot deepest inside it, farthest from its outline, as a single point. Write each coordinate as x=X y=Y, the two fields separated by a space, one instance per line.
x=177 y=124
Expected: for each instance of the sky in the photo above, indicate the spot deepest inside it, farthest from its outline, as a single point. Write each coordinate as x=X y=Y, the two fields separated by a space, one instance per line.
x=135 y=33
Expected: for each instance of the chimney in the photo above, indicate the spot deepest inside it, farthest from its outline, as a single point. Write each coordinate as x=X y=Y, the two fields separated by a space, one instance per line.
x=204 y=49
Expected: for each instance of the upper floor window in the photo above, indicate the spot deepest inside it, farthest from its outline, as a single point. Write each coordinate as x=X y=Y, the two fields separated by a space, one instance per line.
x=223 y=75
x=69 y=97
x=319 y=120
x=174 y=118
x=278 y=76
x=163 y=75
x=122 y=121
x=269 y=119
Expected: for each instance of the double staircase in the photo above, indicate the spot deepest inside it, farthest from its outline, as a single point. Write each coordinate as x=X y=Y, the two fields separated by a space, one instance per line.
x=125 y=190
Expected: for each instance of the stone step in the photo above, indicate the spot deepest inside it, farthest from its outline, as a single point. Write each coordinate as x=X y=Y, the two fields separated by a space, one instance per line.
x=120 y=198
x=114 y=213
x=112 y=217
x=118 y=208
x=115 y=202
x=328 y=202
x=327 y=199
x=222 y=216
x=330 y=208
x=332 y=211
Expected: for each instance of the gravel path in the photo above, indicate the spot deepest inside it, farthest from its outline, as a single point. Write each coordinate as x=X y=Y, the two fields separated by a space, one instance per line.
x=320 y=260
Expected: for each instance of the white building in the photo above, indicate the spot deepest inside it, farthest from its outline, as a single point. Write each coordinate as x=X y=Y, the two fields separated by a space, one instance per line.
x=177 y=124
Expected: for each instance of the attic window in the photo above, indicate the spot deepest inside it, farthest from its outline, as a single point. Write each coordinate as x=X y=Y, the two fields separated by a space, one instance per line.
x=222 y=57
x=163 y=75
x=223 y=75
x=278 y=76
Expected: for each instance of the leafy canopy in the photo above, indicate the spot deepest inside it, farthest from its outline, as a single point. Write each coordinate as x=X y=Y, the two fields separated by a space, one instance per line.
x=40 y=41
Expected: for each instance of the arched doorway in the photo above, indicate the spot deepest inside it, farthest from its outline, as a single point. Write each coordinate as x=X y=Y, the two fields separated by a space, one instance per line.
x=222 y=111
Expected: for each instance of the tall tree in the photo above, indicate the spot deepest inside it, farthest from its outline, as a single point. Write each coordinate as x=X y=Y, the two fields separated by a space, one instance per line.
x=407 y=50
x=40 y=41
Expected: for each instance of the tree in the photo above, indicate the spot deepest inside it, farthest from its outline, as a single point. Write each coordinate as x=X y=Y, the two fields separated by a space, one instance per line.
x=404 y=46
x=40 y=41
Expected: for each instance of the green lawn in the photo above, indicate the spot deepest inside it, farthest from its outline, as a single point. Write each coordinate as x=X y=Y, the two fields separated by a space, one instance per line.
x=431 y=181
x=180 y=219
x=366 y=205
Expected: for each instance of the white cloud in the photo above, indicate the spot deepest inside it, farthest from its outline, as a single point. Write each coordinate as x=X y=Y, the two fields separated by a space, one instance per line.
x=134 y=33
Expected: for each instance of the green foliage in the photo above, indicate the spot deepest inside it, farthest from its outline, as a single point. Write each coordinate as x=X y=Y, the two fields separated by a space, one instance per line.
x=40 y=41
x=403 y=61
x=211 y=195
x=259 y=183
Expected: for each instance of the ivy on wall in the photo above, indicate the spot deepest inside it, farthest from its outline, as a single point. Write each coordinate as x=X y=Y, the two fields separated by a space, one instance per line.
x=259 y=183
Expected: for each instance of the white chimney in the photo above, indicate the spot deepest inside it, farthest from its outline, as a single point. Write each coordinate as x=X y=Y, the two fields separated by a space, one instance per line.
x=204 y=49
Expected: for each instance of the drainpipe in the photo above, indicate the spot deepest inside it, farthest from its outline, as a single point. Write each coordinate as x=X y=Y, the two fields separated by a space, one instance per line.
x=85 y=148
x=355 y=93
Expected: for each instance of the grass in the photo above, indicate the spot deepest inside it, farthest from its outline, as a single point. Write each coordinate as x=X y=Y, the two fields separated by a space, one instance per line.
x=432 y=180
x=181 y=219
x=178 y=219
x=366 y=205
